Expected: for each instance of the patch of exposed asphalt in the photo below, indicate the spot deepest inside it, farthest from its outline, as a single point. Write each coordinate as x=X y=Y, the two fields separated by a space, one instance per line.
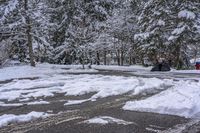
x=148 y=74
x=105 y=73
x=10 y=80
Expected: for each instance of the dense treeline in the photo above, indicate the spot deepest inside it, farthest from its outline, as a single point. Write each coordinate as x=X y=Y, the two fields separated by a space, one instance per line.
x=122 y=32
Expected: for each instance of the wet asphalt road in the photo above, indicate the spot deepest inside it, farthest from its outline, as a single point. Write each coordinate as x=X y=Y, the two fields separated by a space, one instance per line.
x=68 y=119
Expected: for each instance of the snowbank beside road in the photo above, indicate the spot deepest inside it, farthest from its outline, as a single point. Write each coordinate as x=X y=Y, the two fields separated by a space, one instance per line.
x=10 y=118
x=183 y=100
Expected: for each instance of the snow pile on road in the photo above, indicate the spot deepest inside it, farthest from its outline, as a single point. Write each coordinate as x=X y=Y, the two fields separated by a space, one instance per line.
x=105 y=86
x=10 y=118
x=183 y=99
x=2 y=104
x=103 y=120
x=37 y=102
x=24 y=89
x=51 y=82
x=73 y=102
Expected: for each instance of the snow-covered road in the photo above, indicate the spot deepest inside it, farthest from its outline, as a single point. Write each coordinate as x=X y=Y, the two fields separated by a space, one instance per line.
x=23 y=89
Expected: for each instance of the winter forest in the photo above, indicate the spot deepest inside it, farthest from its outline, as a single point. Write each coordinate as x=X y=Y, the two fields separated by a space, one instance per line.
x=119 y=32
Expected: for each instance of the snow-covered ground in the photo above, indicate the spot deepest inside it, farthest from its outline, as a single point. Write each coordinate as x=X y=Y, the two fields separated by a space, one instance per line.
x=187 y=71
x=103 y=86
x=106 y=120
x=10 y=118
x=73 y=102
x=182 y=98
x=41 y=70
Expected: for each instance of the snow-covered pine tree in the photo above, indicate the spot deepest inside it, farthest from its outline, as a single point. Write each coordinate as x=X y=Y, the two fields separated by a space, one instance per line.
x=8 y=29
x=81 y=24
x=122 y=27
x=185 y=33
x=154 y=27
x=168 y=29
x=22 y=24
x=60 y=15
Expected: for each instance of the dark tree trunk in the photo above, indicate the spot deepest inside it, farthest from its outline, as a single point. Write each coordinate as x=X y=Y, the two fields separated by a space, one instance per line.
x=178 y=62
x=105 y=58
x=98 y=58
x=90 y=59
x=133 y=60
x=130 y=60
x=122 y=58
x=118 y=57
x=28 y=33
x=142 y=60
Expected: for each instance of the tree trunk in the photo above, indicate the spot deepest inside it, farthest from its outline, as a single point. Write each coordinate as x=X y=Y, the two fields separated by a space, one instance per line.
x=178 y=57
x=195 y=53
x=118 y=57
x=90 y=59
x=130 y=58
x=28 y=33
x=105 y=58
x=142 y=59
x=82 y=60
x=98 y=58
x=83 y=65
x=122 y=58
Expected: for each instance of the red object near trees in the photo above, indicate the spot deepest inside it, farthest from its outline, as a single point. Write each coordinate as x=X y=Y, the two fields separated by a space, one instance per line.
x=197 y=65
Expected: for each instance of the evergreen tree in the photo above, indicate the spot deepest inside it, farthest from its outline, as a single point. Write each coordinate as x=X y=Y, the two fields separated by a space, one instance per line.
x=101 y=31
x=22 y=25
x=185 y=32
x=168 y=28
